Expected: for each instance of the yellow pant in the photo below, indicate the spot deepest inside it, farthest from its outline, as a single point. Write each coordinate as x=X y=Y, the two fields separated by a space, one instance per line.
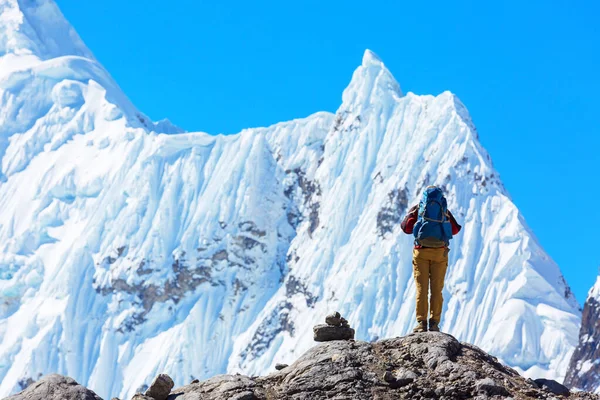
x=429 y=268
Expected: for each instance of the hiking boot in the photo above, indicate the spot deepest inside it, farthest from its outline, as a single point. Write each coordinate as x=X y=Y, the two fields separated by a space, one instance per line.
x=434 y=326
x=421 y=327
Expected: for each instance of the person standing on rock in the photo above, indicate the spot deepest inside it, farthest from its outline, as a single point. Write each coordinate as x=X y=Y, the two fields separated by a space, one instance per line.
x=433 y=225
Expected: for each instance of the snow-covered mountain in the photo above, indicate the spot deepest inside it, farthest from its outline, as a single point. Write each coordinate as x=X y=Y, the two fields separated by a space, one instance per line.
x=584 y=370
x=129 y=248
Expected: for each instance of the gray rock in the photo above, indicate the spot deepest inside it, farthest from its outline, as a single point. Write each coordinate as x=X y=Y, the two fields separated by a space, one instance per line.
x=347 y=369
x=440 y=390
x=389 y=377
x=489 y=386
x=195 y=381
x=334 y=319
x=326 y=333
x=237 y=387
x=140 y=396
x=279 y=367
x=552 y=386
x=55 y=387
x=405 y=376
x=160 y=387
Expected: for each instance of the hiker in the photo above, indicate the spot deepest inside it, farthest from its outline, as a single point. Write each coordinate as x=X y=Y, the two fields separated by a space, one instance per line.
x=433 y=225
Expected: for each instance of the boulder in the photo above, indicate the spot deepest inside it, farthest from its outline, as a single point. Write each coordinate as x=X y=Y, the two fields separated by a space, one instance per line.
x=279 y=367
x=55 y=387
x=404 y=377
x=552 y=386
x=327 y=333
x=490 y=387
x=160 y=387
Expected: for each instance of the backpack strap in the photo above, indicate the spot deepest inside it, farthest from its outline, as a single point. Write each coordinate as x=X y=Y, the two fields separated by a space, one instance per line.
x=441 y=209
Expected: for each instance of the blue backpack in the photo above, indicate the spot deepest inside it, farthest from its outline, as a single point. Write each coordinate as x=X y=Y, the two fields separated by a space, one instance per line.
x=433 y=228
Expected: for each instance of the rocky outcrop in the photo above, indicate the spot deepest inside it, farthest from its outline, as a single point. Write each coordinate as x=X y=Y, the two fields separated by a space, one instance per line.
x=429 y=365
x=584 y=368
x=55 y=387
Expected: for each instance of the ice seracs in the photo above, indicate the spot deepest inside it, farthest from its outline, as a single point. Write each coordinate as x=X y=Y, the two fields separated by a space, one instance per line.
x=124 y=250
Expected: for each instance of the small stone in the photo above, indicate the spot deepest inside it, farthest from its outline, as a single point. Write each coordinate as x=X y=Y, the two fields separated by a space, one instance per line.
x=195 y=381
x=327 y=333
x=471 y=375
x=405 y=376
x=160 y=387
x=334 y=319
x=552 y=386
x=488 y=386
x=139 y=396
x=433 y=362
x=389 y=377
x=279 y=367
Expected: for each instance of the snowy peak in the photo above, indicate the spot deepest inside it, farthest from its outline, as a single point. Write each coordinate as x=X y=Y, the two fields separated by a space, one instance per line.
x=371 y=82
x=38 y=28
x=371 y=58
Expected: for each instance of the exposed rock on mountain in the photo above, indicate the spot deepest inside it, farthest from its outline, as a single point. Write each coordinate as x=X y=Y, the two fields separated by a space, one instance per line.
x=584 y=369
x=419 y=366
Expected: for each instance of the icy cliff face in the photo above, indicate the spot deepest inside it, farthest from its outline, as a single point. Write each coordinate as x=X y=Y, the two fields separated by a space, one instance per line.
x=584 y=369
x=126 y=247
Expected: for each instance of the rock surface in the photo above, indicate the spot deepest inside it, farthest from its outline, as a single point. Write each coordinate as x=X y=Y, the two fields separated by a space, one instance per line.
x=584 y=369
x=552 y=386
x=334 y=319
x=327 y=333
x=55 y=387
x=418 y=366
x=160 y=387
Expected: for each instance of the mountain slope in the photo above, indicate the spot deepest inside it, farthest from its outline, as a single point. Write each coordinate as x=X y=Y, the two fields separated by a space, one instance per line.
x=584 y=369
x=125 y=247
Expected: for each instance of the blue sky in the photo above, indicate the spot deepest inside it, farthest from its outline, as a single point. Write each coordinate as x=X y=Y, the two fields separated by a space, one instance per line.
x=527 y=72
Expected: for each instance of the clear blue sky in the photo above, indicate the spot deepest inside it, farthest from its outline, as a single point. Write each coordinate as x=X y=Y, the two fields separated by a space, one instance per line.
x=526 y=70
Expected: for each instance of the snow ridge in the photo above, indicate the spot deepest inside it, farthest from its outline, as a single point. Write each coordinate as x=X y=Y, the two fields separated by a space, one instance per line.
x=128 y=248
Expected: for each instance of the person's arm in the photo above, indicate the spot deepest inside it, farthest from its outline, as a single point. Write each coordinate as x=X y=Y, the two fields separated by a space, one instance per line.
x=455 y=226
x=408 y=223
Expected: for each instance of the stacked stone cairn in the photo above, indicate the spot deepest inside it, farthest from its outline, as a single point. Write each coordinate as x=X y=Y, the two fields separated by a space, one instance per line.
x=335 y=328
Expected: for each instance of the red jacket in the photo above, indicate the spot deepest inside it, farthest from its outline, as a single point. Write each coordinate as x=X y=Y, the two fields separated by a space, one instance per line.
x=408 y=223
